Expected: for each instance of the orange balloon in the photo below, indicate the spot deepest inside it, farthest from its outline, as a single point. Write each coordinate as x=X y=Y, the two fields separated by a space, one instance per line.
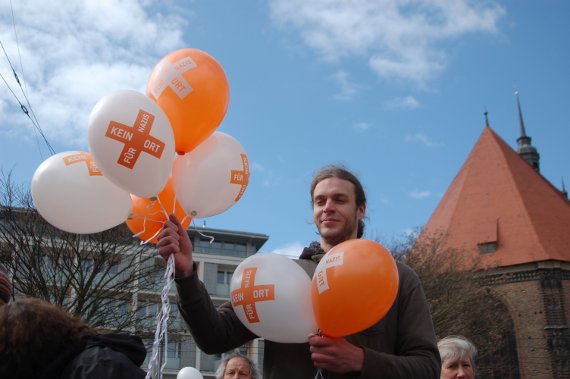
x=192 y=89
x=148 y=214
x=354 y=286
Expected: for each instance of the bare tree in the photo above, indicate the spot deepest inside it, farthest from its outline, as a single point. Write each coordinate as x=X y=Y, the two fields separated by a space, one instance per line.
x=460 y=302
x=94 y=276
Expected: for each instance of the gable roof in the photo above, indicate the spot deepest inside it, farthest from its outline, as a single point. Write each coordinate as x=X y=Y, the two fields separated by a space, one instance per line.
x=499 y=202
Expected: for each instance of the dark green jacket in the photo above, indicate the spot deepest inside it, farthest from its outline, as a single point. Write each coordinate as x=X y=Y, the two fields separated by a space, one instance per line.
x=400 y=346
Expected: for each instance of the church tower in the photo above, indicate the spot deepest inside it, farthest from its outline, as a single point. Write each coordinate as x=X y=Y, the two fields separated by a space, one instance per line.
x=501 y=210
x=525 y=148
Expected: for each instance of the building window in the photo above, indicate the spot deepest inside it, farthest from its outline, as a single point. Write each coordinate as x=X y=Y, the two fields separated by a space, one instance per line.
x=228 y=248
x=224 y=280
x=209 y=362
x=174 y=319
x=113 y=312
x=241 y=247
x=146 y=315
x=487 y=247
x=173 y=355
x=114 y=268
x=121 y=311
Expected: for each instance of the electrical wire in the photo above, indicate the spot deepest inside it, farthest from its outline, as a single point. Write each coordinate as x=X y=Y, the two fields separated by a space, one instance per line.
x=27 y=110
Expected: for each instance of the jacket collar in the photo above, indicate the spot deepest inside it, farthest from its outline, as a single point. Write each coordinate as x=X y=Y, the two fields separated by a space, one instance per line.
x=313 y=252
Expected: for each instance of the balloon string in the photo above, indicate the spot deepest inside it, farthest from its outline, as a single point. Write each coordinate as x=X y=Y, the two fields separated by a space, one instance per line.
x=144 y=230
x=166 y=214
x=161 y=334
x=184 y=219
x=207 y=236
x=145 y=219
x=174 y=202
x=150 y=238
x=320 y=374
x=139 y=233
x=211 y=238
x=164 y=211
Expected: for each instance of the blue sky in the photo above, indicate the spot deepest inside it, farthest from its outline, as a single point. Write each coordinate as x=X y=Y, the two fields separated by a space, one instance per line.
x=395 y=90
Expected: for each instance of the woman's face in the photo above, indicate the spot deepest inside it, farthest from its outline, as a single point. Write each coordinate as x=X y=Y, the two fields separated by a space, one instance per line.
x=457 y=368
x=237 y=368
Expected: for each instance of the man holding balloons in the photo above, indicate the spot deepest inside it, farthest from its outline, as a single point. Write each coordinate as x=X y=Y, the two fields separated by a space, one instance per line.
x=402 y=344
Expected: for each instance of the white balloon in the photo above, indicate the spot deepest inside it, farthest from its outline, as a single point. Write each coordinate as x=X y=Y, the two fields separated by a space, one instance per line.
x=271 y=295
x=189 y=373
x=211 y=178
x=132 y=142
x=72 y=194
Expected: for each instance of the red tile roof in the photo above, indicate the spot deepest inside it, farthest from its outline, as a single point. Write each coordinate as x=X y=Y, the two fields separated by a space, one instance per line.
x=497 y=197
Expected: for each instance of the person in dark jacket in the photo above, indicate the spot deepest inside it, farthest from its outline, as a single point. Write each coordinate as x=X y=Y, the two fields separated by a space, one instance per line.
x=401 y=345
x=41 y=341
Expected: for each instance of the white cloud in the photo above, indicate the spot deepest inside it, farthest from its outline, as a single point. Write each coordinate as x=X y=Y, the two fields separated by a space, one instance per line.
x=421 y=138
x=74 y=54
x=406 y=102
x=400 y=38
x=348 y=89
x=419 y=194
x=292 y=250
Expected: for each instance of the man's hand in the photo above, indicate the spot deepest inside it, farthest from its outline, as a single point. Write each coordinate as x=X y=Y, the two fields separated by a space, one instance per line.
x=173 y=239
x=335 y=354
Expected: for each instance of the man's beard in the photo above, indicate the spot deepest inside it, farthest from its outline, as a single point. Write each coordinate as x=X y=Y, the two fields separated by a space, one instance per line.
x=334 y=238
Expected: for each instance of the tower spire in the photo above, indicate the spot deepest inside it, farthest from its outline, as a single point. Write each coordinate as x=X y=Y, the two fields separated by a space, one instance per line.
x=521 y=120
x=487 y=119
x=525 y=148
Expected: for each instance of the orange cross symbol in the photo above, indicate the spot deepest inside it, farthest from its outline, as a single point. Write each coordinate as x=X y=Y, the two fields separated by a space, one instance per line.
x=170 y=75
x=136 y=138
x=249 y=294
x=83 y=157
x=241 y=177
x=331 y=259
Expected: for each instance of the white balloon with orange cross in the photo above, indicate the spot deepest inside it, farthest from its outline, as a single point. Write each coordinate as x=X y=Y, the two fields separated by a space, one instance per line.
x=271 y=295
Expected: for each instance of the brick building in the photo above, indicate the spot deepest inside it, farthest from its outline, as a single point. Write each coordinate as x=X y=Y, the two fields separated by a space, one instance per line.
x=500 y=209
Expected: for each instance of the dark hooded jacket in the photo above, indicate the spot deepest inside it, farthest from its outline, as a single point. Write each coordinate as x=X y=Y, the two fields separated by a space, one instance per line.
x=400 y=346
x=109 y=356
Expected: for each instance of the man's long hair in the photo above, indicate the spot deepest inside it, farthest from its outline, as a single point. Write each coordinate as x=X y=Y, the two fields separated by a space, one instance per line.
x=336 y=171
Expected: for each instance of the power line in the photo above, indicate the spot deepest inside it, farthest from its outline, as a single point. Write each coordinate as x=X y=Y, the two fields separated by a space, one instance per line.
x=28 y=110
x=27 y=113
x=25 y=89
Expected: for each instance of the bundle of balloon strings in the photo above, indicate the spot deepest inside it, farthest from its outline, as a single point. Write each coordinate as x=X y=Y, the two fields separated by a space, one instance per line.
x=161 y=335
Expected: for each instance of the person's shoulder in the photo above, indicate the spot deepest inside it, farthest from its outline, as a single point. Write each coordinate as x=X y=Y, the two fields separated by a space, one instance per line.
x=99 y=361
x=308 y=265
x=406 y=272
x=402 y=267
x=128 y=344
